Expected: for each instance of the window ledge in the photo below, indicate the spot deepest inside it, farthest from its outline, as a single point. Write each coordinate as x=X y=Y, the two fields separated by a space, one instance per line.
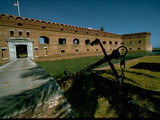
x=4 y=58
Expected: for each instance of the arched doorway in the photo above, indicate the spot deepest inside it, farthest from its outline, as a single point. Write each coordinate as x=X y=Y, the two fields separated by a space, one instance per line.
x=21 y=51
x=20 y=47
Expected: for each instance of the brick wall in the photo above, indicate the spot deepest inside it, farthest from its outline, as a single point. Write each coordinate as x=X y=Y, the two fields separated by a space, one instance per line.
x=34 y=29
x=137 y=41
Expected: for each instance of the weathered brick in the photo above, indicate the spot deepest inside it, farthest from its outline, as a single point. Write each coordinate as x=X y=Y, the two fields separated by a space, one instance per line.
x=54 y=31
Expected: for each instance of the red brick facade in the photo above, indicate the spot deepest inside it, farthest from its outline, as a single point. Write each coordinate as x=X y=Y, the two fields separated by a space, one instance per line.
x=62 y=41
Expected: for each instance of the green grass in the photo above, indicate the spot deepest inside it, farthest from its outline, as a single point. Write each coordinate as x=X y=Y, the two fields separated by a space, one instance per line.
x=97 y=95
x=56 y=68
x=156 y=48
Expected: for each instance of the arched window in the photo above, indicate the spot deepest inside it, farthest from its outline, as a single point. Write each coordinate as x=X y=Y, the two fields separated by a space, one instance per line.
x=110 y=42
x=76 y=50
x=116 y=42
x=139 y=41
x=62 y=51
x=76 y=41
x=20 y=33
x=28 y=33
x=11 y=33
x=104 y=42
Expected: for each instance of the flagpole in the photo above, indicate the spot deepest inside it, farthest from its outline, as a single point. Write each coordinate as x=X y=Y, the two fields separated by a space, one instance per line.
x=18 y=8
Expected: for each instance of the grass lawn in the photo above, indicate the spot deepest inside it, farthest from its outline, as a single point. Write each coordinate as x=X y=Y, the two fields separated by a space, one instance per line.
x=156 y=48
x=56 y=68
x=97 y=95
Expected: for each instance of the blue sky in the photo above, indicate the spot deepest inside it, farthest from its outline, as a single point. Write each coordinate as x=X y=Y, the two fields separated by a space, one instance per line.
x=116 y=16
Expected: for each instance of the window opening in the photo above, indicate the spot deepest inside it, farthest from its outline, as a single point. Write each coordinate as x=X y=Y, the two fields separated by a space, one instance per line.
x=62 y=41
x=139 y=48
x=104 y=42
x=96 y=49
x=36 y=51
x=11 y=33
x=116 y=42
x=122 y=43
x=130 y=48
x=87 y=42
x=76 y=50
x=87 y=49
x=45 y=51
x=110 y=42
x=28 y=33
x=19 y=24
x=62 y=51
x=130 y=43
x=43 y=27
x=139 y=41
x=3 y=53
x=20 y=33
x=75 y=41
x=44 y=40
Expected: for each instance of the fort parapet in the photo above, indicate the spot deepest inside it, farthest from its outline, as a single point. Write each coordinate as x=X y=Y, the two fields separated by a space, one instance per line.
x=137 y=41
x=43 y=40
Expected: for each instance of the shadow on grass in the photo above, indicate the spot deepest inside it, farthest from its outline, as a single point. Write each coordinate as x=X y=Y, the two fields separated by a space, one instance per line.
x=85 y=91
x=138 y=73
x=148 y=66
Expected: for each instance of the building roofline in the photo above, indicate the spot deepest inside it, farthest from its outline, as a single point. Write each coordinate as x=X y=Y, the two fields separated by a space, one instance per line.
x=59 y=24
x=140 y=33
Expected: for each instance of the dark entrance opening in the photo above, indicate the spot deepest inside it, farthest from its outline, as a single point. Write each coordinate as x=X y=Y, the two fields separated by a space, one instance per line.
x=21 y=51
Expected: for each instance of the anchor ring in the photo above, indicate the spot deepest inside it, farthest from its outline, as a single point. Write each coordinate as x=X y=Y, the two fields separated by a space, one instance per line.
x=126 y=50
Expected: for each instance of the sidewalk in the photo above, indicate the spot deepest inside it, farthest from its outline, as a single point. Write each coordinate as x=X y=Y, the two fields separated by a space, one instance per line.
x=27 y=91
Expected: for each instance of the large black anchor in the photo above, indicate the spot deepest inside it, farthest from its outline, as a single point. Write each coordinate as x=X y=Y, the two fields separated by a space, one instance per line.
x=116 y=54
